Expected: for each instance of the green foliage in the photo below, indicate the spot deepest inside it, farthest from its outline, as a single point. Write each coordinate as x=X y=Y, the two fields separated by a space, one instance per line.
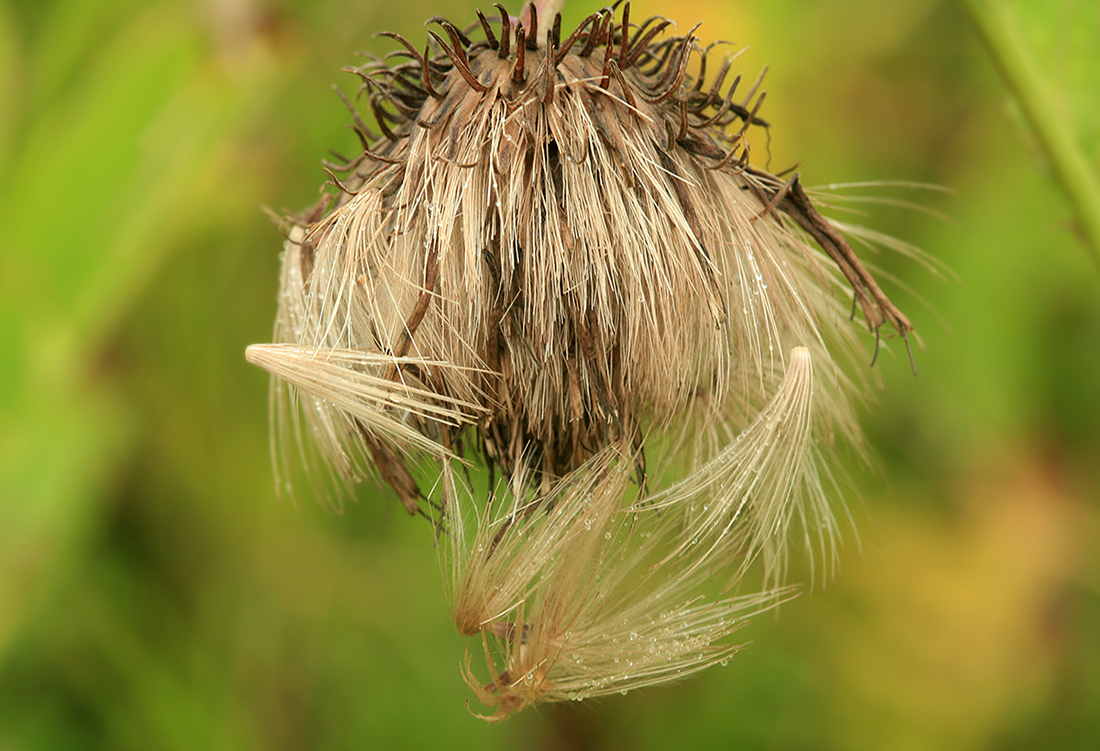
x=155 y=594
x=1045 y=54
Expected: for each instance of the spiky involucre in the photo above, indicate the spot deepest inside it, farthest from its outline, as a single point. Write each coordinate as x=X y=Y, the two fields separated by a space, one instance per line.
x=561 y=249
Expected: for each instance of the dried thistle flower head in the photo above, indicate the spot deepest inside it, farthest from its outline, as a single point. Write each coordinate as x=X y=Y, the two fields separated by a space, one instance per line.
x=558 y=256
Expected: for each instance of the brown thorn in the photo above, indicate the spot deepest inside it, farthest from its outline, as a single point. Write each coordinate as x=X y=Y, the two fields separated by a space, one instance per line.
x=361 y=128
x=386 y=57
x=376 y=101
x=743 y=161
x=490 y=37
x=594 y=35
x=336 y=181
x=752 y=115
x=388 y=93
x=643 y=43
x=362 y=136
x=740 y=112
x=380 y=158
x=458 y=39
x=405 y=75
x=505 y=32
x=563 y=49
x=685 y=55
x=426 y=76
x=380 y=116
x=518 y=73
x=608 y=53
x=345 y=164
x=705 y=149
x=659 y=62
x=703 y=67
x=625 y=36
x=641 y=29
x=678 y=70
x=404 y=84
x=456 y=44
x=363 y=74
x=408 y=45
x=726 y=103
x=554 y=41
x=670 y=70
x=714 y=94
x=755 y=87
x=460 y=64
x=749 y=117
x=627 y=93
x=368 y=154
x=533 y=34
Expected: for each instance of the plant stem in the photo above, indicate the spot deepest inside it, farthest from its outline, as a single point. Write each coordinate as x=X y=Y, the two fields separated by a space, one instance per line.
x=1071 y=167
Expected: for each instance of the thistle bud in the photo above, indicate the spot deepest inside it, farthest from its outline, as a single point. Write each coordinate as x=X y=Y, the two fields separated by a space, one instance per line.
x=556 y=261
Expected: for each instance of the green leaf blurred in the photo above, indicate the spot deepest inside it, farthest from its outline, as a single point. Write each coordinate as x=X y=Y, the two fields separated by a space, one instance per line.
x=1045 y=53
x=155 y=594
x=120 y=141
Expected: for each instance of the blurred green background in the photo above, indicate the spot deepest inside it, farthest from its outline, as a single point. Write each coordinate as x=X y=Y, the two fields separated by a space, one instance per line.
x=154 y=594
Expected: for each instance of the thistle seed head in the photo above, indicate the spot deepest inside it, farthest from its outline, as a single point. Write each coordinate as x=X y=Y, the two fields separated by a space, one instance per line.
x=557 y=255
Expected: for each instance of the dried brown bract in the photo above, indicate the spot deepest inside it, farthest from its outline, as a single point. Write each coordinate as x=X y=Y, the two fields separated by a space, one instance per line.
x=556 y=255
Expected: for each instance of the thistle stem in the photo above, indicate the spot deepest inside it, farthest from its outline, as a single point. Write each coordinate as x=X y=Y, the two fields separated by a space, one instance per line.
x=1054 y=132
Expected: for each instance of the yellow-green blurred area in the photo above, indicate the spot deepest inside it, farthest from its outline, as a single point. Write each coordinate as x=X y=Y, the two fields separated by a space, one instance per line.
x=154 y=593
